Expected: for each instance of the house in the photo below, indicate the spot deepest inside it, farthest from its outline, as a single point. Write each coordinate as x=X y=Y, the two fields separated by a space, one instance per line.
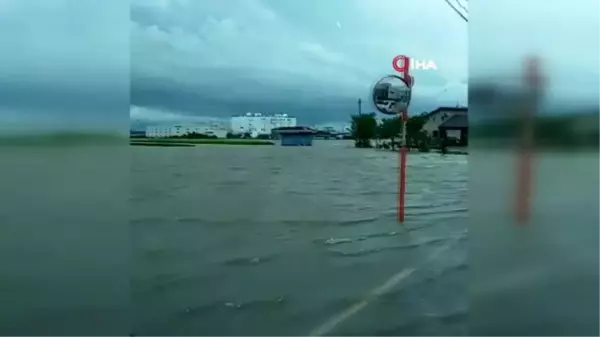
x=439 y=116
x=293 y=135
x=455 y=129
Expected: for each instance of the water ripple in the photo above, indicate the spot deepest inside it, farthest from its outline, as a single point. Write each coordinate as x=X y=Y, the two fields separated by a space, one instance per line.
x=245 y=261
x=272 y=303
x=339 y=241
x=354 y=222
x=369 y=251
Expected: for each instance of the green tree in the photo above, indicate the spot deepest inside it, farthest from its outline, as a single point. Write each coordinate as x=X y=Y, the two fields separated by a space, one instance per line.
x=390 y=128
x=364 y=129
x=415 y=136
x=415 y=123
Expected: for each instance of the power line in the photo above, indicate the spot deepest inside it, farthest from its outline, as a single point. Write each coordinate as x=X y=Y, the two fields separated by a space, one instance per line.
x=456 y=10
x=462 y=6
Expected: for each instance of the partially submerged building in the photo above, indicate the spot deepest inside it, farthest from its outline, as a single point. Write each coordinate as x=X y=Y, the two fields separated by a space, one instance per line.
x=293 y=136
x=212 y=129
x=455 y=129
x=255 y=124
x=441 y=115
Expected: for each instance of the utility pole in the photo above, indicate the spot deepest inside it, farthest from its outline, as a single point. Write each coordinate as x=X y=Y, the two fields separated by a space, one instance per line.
x=359 y=107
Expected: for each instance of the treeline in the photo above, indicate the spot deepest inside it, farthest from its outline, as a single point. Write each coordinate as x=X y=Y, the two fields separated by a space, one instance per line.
x=367 y=132
x=247 y=135
x=230 y=135
x=194 y=135
x=576 y=130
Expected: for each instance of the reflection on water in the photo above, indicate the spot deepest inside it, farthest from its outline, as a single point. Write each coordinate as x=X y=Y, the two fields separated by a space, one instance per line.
x=270 y=240
x=64 y=243
x=539 y=278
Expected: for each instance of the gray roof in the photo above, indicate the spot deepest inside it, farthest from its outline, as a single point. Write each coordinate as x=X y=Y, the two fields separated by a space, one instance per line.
x=456 y=121
x=449 y=109
x=293 y=130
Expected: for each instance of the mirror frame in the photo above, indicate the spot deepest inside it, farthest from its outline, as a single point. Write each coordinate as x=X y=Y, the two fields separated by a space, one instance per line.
x=373 y=100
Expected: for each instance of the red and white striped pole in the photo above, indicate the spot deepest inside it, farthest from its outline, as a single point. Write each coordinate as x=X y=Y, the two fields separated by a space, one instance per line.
x=533 y=82
x=402 y=173
x=405 y=71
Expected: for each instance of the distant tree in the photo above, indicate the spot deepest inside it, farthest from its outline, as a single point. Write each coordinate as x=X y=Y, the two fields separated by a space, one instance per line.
x=415 y=136
x=194 y=135
x=199 y=136
x=364 y=129
x=390 y=128
x=231 y=135
x=415 y=123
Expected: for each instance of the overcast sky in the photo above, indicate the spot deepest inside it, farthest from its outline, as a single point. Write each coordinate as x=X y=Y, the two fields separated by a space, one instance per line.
x=312 y=59
x=64 y=64
x=87 y=62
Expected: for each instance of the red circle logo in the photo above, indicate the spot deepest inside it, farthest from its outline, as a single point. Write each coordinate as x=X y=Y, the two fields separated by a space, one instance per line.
x=404 y=64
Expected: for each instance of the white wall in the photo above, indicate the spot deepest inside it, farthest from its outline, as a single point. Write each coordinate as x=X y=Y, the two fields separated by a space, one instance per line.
x=256 y=124
x=435 y=120
x=453 y=134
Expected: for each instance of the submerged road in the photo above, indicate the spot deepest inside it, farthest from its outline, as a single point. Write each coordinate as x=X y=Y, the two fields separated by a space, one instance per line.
x=271 y=240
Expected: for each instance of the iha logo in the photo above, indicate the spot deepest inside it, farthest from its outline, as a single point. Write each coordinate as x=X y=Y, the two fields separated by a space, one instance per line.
x=399 y=64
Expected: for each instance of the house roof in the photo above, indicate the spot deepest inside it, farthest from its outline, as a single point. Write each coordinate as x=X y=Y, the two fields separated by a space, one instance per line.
x=293 y=130
x=456 y=121
x=447 y=109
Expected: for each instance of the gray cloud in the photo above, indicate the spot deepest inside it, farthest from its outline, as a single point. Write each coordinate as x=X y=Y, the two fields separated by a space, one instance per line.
x=68 y=63
x=64 y=64
x=564 y=34
x=219 y=59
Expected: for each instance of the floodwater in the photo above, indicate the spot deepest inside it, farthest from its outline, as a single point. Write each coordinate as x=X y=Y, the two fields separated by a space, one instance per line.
x=540 y=277
x=64 y=262
x=265 y=240
x=260 y=240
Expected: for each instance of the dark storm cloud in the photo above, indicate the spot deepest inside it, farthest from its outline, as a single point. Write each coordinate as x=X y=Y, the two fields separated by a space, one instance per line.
x=99 y=104
x=63 y=63
x=221 y=102
x=227 y=92
x=211 y=59
x=110 y=97
x=314 y=108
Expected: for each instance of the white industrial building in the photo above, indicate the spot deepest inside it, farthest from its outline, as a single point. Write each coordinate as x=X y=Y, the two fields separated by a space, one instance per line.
x=210 y=129
x=258 y=124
